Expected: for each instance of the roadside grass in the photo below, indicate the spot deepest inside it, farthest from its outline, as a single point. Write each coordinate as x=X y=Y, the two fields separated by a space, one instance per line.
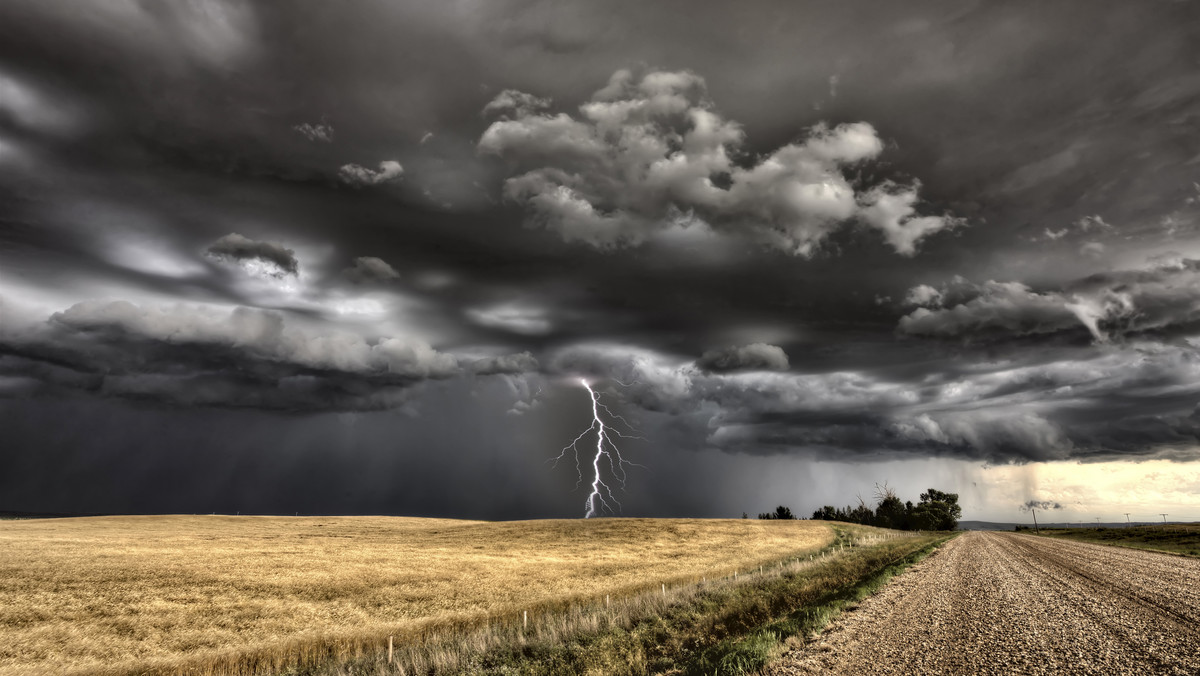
x=723 y=626
x=767 y=643
x=1172 y=538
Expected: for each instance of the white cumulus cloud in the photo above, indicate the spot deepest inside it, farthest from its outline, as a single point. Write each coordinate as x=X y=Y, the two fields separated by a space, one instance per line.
x=389 y=170
x=642 y=150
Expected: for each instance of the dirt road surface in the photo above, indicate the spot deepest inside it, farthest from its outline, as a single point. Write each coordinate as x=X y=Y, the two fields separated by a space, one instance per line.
x=1004 y=603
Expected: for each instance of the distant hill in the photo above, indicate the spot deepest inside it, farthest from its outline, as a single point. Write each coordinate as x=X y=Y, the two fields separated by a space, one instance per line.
x=9 y=514
x=994 y=525
x=987 y=525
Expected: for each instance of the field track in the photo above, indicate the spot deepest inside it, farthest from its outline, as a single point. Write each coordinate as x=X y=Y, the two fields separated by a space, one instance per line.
x=1003 y=603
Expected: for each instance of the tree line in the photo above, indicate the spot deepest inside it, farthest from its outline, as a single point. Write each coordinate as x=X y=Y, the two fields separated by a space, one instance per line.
x=936 y=510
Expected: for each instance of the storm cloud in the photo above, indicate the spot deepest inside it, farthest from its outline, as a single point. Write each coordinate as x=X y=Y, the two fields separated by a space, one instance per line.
x=1040 y=504
x=315 y=132
x=1123 y=401
x=368 y=269
x=650 y=151
x=773 y=236
x=206 y=356
x=1162 y=297
x=389 y=170
x=277 y=259
x=753 y=356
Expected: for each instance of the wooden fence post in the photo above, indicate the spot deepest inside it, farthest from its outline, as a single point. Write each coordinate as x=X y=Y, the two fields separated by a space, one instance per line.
x=389 y=650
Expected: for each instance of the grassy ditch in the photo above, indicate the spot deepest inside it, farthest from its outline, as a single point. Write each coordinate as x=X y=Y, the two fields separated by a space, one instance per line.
x=750 y=652
x=1174 y=538
x=731 y=625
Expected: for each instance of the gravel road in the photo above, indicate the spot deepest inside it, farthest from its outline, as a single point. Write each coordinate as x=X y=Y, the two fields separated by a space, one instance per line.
x=1004 y=603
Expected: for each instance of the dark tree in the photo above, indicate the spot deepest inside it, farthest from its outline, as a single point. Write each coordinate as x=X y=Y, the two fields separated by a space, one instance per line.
x=936 y=511
x=890 y=513
x=861 y=514
x=826 y=513
x=780 y=512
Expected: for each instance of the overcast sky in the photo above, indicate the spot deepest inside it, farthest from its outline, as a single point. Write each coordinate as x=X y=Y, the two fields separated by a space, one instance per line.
x=358 y=257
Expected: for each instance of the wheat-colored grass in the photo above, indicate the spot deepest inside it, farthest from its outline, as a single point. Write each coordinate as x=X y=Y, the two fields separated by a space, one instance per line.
x=156 y=594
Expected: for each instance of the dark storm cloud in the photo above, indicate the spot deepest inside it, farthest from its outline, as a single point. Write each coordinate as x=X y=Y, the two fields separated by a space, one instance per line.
x=243 y=358
x=505 y=364
x=1040 y=504
x=235 y=247
x=739 y=357
x=1164 y=297
x=1121 y=402
x=926 y=225
x=370 y=269
x=1005 y=308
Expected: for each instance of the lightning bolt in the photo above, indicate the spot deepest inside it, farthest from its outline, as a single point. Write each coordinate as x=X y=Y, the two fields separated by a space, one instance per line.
x=606 y=454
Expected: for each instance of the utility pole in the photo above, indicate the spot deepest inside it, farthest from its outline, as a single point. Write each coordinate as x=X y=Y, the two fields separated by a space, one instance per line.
x=1127 y=523
x=1164 y=516
x=1097 y=523
x=1035 y=528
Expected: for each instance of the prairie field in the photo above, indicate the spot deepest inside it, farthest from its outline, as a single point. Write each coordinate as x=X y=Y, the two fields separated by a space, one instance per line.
x=1175 y=538
x=221 y=594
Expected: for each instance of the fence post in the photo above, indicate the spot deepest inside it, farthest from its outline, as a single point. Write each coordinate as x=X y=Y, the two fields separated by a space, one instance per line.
x=664 y=588
x=606 y=602
x=526 y=612
x=389 y=650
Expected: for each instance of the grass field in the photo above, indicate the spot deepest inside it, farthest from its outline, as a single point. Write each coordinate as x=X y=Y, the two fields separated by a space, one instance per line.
x=1174 y=538
x=218 y=594
x=730 y=626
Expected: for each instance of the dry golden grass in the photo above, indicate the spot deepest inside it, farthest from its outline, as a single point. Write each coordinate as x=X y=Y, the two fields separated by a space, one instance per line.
x=215 y=593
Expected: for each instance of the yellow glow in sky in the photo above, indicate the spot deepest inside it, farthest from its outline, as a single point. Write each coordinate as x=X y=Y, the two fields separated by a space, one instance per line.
x=1088 y=490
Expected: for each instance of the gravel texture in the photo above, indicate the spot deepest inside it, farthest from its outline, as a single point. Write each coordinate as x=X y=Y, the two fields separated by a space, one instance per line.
x=1004 y=603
